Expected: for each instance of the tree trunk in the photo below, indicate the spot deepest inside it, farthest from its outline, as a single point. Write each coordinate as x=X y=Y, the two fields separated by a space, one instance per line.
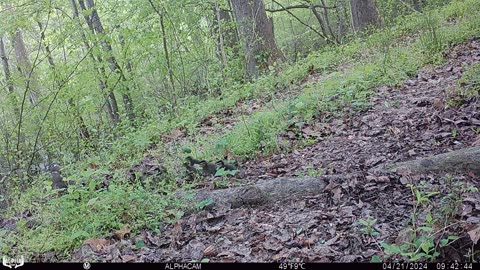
x=418 y=5
x=112 y=105
x=101 y=71
x=230 y=36
x=6 y=66
x=160 y=13
x=256 y=31
x=219 y=33
x=25 y=67
x=114 y=67
x=364 y=14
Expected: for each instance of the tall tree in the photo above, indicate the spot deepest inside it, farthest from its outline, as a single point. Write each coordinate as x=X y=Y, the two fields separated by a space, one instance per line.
x=6 y=66
x=25 y=67
x=110 y=99
x=114 y=66
x=364 y=14
x=256 y=31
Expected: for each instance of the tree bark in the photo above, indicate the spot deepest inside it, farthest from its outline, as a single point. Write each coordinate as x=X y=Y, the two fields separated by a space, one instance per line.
x=256 y=31
x=460 y=161
x=6 y=66
x=364 y=14
x=221 y=42
x=267 y=191
x=25 y=67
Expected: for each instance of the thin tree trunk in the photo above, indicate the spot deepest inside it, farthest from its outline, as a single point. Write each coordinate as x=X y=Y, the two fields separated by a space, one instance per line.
x=221 y=45
x=165 y=50
x=110 y=99
x=115 y=68
x=6 y=67
x=327 y=21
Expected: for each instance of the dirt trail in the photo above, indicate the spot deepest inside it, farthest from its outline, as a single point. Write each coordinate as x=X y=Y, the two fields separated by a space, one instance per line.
x=412 y=121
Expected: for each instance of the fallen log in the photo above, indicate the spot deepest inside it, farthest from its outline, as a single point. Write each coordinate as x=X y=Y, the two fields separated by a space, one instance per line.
x=466 y=160
x=266 y=191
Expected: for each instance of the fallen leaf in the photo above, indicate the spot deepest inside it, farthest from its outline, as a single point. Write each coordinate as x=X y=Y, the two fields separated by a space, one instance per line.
x=97 y=244
x=474 y=235
x=120 y=234
x=128 y=258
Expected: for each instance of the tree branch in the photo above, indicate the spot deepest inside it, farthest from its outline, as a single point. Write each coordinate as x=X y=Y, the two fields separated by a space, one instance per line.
x=300 y=21
x=297 y=7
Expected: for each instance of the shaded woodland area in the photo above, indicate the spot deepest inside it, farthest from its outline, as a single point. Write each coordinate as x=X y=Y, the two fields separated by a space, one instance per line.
x=240 y=130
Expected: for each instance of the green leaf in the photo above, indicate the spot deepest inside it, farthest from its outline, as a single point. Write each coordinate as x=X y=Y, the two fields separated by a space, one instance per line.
x=79 y=234
x=426 y=229
x=220 y=172
x=92 y=185
x=392 y=249
x=429 y=218
x=140 y=244
x=206 y=260
x=453 y=237
x=92 y=201
x=205 y=203
x=376 y=259
x=443 y=242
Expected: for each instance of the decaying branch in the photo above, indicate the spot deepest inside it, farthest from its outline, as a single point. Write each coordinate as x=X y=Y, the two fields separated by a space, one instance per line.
x=267 y=191
x=461 y=161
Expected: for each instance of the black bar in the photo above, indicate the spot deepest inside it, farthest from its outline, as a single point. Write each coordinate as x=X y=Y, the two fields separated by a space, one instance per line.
x=250 y=266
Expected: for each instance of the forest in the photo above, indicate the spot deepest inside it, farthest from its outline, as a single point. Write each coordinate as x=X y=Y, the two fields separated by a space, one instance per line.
x=297 y=131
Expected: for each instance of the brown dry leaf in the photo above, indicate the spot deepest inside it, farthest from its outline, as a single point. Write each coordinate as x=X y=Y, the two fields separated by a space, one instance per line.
x=477 y=141
x=467 y=209
x=337 y=194
x=128 y=258
x=438 y=104
x=176 y=232
x=93 y=166
x=231 y=156
x=120 y=234
x=474 y=235
x=210 y=251
x=175 y=134
x=97 y=244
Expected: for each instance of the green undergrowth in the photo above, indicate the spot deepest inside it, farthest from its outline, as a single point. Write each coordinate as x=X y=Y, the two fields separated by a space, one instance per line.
x=50 y=222
x=432 y=227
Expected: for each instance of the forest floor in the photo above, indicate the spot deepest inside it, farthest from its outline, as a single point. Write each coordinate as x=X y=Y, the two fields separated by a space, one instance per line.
x=425 y=116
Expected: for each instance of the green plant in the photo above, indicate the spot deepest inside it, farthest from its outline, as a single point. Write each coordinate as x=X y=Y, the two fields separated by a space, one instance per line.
x=222 y=172
x=368 y=226
x=432 y=41
x=421 y=241
x=470 y=82
x=312 y=172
